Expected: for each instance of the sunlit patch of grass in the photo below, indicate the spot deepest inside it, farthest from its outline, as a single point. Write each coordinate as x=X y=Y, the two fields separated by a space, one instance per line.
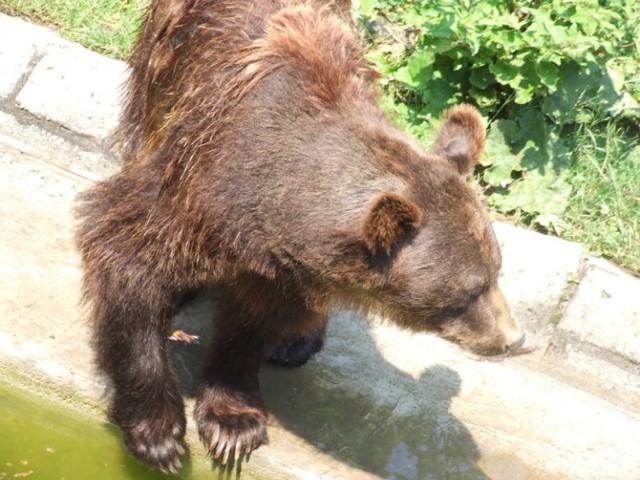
x=107 y=26
x=604 y=209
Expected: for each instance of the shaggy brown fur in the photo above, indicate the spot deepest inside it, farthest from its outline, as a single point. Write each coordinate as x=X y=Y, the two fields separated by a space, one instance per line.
x=258 y=164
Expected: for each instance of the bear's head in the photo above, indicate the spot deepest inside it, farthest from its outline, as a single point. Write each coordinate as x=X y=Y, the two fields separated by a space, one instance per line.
x=434 y=246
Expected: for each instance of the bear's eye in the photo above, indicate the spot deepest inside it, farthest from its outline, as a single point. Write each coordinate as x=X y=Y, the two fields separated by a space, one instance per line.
x=455 y=312
x=461 y=307
x=476 y=292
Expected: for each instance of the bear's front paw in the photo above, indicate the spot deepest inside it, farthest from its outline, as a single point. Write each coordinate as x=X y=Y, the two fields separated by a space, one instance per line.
x=231 y=423
x=155 y=436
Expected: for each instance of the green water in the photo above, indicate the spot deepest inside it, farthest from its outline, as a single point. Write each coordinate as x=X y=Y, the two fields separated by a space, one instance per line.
x=43 y=440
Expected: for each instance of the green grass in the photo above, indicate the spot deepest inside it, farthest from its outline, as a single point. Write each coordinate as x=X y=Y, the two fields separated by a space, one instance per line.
x=604 y=210
x=107 y=26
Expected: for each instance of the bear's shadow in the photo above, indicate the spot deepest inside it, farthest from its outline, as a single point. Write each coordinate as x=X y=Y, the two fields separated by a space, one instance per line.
x=349 y=426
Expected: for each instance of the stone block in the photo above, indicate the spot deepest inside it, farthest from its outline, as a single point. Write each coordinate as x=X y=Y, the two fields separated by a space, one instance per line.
x=605 y=311
x=583 y=368
x=85 y=99
x=36 y=142
x=535 y=272
x=20 y=43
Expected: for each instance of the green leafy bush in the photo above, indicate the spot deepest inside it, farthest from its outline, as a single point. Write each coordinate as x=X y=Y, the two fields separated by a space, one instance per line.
x=538 y=70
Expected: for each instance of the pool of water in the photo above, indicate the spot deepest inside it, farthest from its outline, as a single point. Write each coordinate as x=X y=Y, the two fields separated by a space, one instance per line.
x=40 y=439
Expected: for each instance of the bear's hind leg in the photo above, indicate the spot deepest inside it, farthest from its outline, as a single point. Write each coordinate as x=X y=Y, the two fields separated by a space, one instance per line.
x=299 y=350
x=253 y=316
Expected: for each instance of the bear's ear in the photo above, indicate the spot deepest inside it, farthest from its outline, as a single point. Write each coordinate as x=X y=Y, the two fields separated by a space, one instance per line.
x=461 y=138
x=390 y=219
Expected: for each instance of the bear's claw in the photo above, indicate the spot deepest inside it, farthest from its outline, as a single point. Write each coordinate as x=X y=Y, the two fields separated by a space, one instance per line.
x=229 y=426
x=234 y=437
x=156 y=443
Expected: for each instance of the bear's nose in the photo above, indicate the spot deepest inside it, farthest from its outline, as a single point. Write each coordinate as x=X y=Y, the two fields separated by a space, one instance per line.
x=517 y=344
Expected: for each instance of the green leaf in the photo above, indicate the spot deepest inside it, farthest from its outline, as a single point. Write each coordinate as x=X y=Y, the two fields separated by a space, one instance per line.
x=524 y=94
x=403 y=75
x=440 y=94
x=368 y=7
x=543 y=24
x=511 y=131
x=626 y=107
x=616 y=77
x=381 y=62
x=505 y=72
x=501 y=174
x=444 y=30
x=507 y=40
x=481 y=77
x=543 y=195
x=548 y=73
x=485 y=99
x=501 y=161
x=580 y=87
x=417 y=71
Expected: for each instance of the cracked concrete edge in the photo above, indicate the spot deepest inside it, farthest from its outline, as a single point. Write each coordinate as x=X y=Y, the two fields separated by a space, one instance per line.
x=591 y=369
x=582 y=361
x=28 y=44
x=9 y=89
x=74 y=158
x=569 y=292
x=596 y=344
x=546 y=284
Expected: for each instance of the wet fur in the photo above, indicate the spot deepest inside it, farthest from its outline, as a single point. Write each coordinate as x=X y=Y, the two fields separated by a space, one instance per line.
x=256 y=162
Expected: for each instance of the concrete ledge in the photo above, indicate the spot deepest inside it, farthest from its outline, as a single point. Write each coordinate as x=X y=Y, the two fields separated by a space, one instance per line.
x=592 y=370
x=37 y=142
x=606 y=310
x=534 y=276
x=86 y=100
x=20 y=43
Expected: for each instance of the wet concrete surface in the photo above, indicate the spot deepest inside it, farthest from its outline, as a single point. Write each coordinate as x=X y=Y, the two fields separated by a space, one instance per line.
x=315 y=405
x=397 y=405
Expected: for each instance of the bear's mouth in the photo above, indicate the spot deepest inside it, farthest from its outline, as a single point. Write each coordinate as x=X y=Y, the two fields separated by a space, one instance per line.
x=518 y=345
x=515 y=352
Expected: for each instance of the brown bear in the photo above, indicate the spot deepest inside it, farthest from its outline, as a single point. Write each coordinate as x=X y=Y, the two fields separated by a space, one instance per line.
x=257 y=165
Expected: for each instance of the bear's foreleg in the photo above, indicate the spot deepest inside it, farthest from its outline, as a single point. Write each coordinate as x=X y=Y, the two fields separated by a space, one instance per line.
x=229 y=411
x=133 y=317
